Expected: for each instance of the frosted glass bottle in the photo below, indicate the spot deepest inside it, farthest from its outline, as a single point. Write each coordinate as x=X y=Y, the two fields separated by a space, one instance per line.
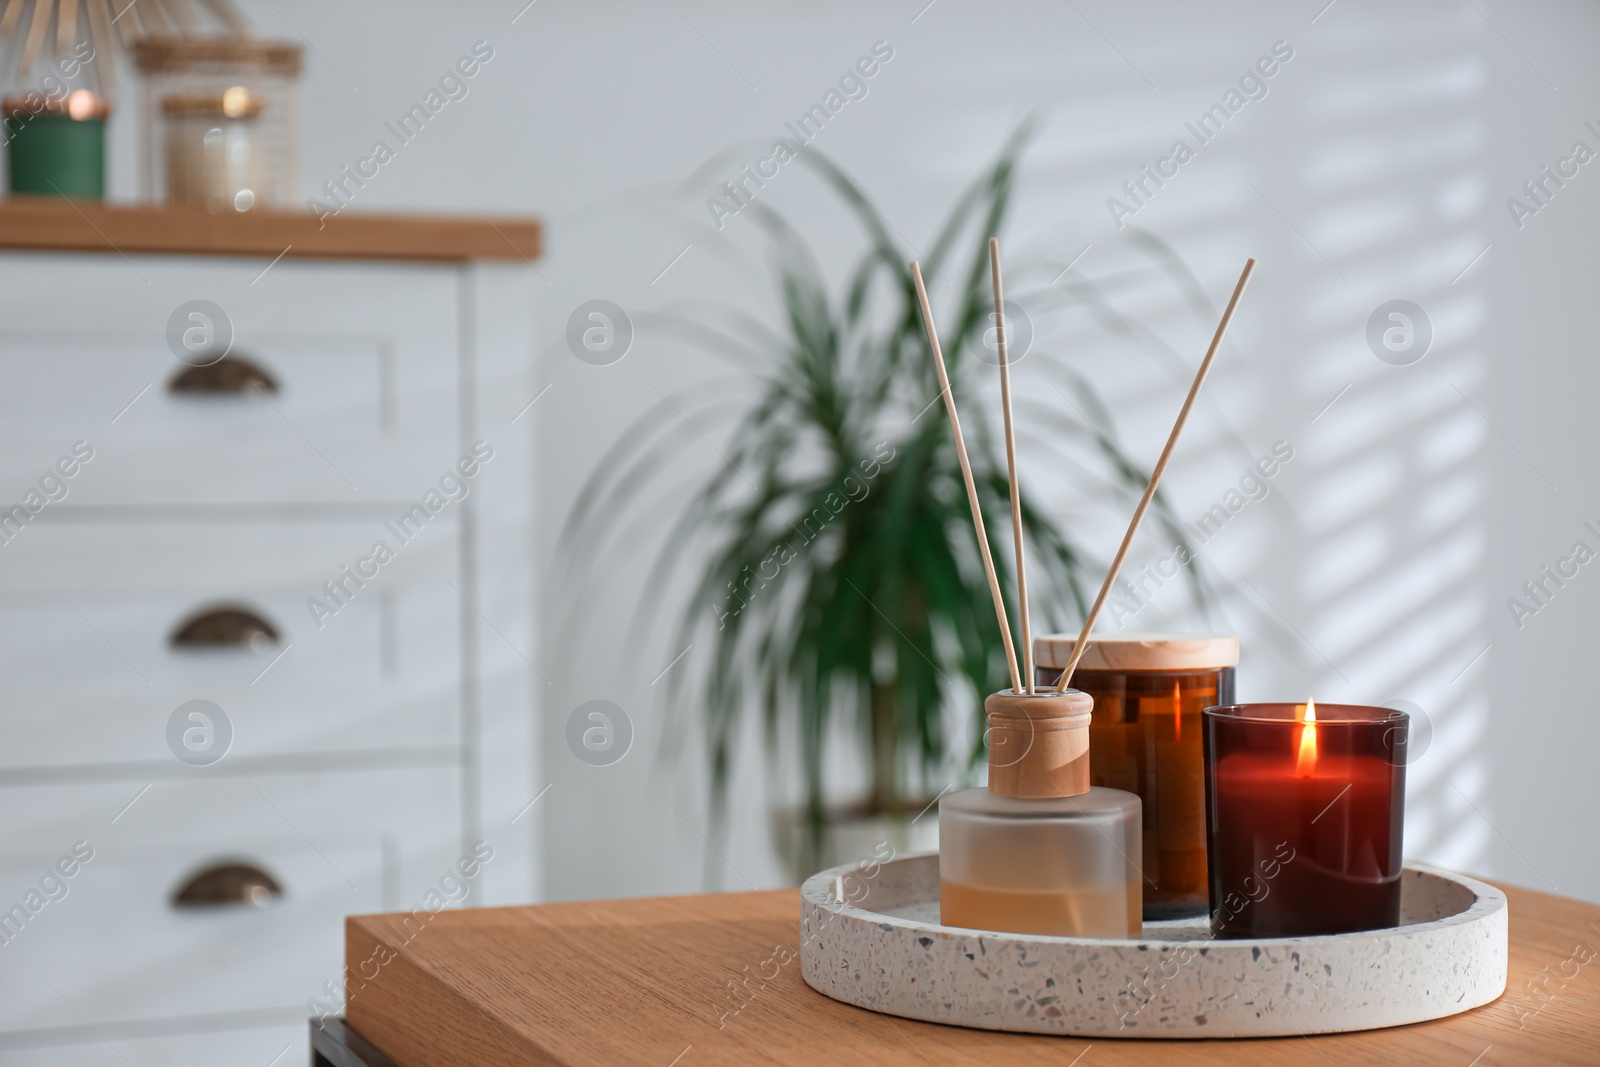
x=1038 y=851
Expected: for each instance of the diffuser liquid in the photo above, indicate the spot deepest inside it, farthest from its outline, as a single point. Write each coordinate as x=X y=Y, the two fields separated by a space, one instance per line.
x=1108 y=912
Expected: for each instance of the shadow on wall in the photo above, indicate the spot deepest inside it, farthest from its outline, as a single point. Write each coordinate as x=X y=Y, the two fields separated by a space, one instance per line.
x=1352 y=570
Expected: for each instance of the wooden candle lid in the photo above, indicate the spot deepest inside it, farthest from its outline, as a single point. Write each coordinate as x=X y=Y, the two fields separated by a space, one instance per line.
x=1137 y=651
x=1039 y=745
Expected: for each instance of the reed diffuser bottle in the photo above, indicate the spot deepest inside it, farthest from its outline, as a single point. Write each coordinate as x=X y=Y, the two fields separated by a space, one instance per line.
x=1040 y=851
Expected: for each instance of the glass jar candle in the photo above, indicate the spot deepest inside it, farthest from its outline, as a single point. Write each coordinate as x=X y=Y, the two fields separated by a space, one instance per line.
x=1304 y=809
x=56 y=146
x=215 y=157
x=1149 y=690
x=1040 y=851
x=219 y=120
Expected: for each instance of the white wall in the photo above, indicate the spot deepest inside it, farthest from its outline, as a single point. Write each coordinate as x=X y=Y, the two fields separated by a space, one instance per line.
x=1541 y=379
x=1377 y=167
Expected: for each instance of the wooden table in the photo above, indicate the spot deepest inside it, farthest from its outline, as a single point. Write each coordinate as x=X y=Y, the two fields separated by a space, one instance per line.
x=678 y=982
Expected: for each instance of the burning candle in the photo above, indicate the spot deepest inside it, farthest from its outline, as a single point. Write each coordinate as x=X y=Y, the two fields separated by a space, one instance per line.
x=56 y=144
x=1304 y=806
x=215 y=149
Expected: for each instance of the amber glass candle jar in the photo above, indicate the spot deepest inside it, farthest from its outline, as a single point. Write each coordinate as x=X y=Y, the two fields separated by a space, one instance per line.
x=1145 y=737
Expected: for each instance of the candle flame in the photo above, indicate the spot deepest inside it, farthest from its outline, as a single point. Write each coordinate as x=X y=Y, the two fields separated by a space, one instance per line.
x=236 y=101
x=80 y=104
x=1306 y=761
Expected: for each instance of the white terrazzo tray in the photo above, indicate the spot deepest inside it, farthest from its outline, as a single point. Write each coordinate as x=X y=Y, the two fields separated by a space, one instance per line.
x=886 y=951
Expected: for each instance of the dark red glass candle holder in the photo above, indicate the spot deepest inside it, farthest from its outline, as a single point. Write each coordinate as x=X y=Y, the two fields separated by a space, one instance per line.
x=1303 y=818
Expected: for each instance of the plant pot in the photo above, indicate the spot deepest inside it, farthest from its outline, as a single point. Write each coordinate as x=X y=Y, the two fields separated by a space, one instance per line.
x=854 y=835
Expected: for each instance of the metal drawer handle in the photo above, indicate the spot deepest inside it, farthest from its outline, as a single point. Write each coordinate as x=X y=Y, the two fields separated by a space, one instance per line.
x=228 y=883
x=225 y=627
x=228 y=376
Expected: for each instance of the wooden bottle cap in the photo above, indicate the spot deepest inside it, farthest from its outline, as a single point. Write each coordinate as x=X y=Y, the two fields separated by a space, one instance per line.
x=1039 y=745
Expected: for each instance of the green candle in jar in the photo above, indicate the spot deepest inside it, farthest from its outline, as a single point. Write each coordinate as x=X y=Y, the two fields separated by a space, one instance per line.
x=56 y=147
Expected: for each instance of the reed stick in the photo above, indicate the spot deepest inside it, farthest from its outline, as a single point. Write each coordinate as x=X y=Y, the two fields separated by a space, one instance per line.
x=966 y=474
x=128 y=23
x=13 y=13
x=66 y=27
x=1155 y=478
x=182 y=12
x=1001 y=347
x=37 y=29
x=158 y=23
x=105 y=45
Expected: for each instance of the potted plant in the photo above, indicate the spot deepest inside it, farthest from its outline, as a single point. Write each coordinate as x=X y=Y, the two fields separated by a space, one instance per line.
x=837 y=584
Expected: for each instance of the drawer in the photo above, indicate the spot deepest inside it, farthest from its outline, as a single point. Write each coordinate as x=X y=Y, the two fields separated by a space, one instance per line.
x=415 y=811
x=118 y=948
x=361 y=359
x=336 y=844
x=89 y=614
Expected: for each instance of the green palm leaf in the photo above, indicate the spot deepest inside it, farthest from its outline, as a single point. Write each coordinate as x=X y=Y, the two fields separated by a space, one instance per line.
x=837 y=542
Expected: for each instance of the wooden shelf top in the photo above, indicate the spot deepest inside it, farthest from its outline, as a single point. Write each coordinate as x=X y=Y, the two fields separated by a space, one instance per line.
x=51 y=224
x=705 y=980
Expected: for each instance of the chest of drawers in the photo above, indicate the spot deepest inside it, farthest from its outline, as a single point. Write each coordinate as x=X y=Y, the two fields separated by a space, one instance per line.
x=308 y=510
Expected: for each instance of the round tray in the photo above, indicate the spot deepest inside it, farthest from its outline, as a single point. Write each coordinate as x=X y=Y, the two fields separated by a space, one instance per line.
x=870 y=936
